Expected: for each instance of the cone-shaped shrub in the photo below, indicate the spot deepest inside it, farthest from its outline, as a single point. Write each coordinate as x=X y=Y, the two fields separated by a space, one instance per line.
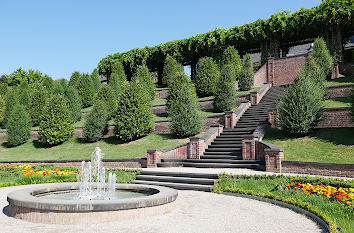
x=3 y=88
x=24 y=94
x=174 y=87
x=60 y=86
x=56 y=125
x=246 y=76
x=116 y=82
x=19 y=126
x=143 y=77
x=207 y=76
x=74 y=103
x=2 y=111
x=322 y=57
x=231 y=57
x=48 y=83
x=170 y=68
x=117 y=68
x=133 y=118
x=184 y=112
x=106 y=97
x=96 y=122
x=37 y=104
x=351 y=97
x=74 y=79
x=96 y=81
x=299 y=110
x=11 y=100
x=225 y=93
x=86 y=90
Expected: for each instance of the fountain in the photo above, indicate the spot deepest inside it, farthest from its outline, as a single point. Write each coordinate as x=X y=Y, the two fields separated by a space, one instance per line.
x=94 y=198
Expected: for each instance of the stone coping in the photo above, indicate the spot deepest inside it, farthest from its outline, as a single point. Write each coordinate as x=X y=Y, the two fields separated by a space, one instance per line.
x=320 y=164
x=339 y=86
x=25 y=198
x=73 y=161
x=271 y=147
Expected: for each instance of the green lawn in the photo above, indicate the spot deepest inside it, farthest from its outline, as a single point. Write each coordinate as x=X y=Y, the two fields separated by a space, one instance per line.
x=333 y=145
x=337 y=102
x=158 y=101
x=78 y=149
x=340 y=81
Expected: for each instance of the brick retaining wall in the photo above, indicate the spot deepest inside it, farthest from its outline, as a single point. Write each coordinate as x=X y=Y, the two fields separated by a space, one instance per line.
x=336 y=117
x=338 y=91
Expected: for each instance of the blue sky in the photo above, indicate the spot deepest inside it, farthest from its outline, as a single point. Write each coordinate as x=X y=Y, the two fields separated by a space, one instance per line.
x=58 y=37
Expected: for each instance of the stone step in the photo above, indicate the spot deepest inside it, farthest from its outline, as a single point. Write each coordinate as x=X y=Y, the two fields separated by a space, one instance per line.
x=238 y=142
x=223 y=165
x=226 y=153
x=172 y=179
x=179 y=174
x=221 y=157
x=179 y=186
x=233 y=161
x=225 y=149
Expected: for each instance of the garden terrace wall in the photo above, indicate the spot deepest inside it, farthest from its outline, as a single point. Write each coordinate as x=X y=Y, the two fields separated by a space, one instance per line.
x=336 y=117
x=316 y=168
x=338 y=91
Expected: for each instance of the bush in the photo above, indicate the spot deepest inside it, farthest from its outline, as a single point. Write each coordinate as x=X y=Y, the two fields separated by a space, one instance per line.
x=60 y=86
x=74 y=103
x=74 y=79
x=143 y=77
x=48 y=83
x=246 y=76
x=184 y=113
x=38 y=101
x=96 y=81
x=11 y=100
x=231 y=57
x=116 y=82
x=322 y=57
x=174 y=88
x=133 y=118
x=2 y=110
x=106 y=97
x=96 y=122
x=85 y=88
x=117 y=68
x=206 y=77
x=57 y=125
x=225 y=93
x=19 y=126
x=300 y=108
x=24 y=94
x=3 y=88
x=170 y=68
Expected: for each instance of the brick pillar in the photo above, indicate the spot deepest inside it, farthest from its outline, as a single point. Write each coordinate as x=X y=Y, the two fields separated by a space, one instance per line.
x=220 y=128
x=270 y=71
x=254 y=96
x=229 y=119
x=153 y=157
x=273 y=158
x=248 y=148
x=272 y=118
x=195 y=148
x=335 y=71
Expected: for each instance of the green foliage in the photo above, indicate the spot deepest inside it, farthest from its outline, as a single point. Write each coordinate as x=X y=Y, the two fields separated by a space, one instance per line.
x=56 y=125
x=96 y=122
x=11 y=100
x=230 y=56
x=208 y=74
x=225 y=93
x=84 y=87
x=18 y=127
x=117 y=68
x=48 y=83
x=174 y=87
x=74 y=103
x=133 y=118
x=37 y=104
x=106 y=97
x=184 y=112
x=74 y=79
x=24 y=94
x=246 y=75
x=322 y=57
x=2 y=110
x=299 y=110
x=143 y=77
x=3 y=88
x=60 y=86
x=116 y=82
x=19 y=76
x=96 y=80
x=352 y=103
x=170 y=68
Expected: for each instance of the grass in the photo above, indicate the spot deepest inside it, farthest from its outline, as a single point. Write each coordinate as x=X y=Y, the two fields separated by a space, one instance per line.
x=275 y=188
x=88 y=109
x=332 y=145
x=337 y=102
x=79 y=149
x=340 y=81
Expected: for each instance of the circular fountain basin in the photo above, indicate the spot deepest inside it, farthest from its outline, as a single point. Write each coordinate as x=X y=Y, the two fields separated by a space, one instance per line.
x=39 y=204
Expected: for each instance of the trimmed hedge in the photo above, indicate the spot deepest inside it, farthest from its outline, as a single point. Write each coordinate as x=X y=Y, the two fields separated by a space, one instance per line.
x=133 y=118
x=106 y=97
x=96 y=122
x=322 y=57
x=143 y=77
x=38 y=101
x=74 y=103
x=56 y=125
x=225 y=93
x=207 y=75
x=170 y=68
x=230 y=57
x=18 y=127
x=246 y=76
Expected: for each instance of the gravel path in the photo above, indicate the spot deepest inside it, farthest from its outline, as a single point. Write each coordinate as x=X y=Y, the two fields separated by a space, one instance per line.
x=194 y=212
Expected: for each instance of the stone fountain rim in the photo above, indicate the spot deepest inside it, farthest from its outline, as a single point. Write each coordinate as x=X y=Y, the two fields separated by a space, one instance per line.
x=24 y=198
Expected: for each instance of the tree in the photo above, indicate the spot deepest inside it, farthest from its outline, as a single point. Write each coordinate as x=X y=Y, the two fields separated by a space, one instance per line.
x=143 y=77
x=246 y=76
x=96 y=81
x=24 y=94
x=56 y=125
x=74 y=103
x=38 y=101
x=18 y=127
x=96 y=122
x=2 y=110
x=74 y=79
x=48 y=83
x=322 y=57
x=60 y=86
x=231 y=57
x=133 y=118
x=11 y=100
x=170 y=68
x=19 y=76
x=116 y=82
x=174 y=87
x=86 y=90
x=300 y=108
x=106 y=97
x=225 y=93
x=206 y=77
x=3 y=88
x=184 y=112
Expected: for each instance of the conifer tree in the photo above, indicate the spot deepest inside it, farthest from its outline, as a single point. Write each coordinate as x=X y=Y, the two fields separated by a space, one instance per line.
x=74 y=103
x=322 y=57
x=170 y=68
x=106 y=97
x=225 y=93
x=96 y=123
x=231 y=57
x=207 y=75
x=96 y=81
x=246 y=76
x=143 y=77
x=38 y=101
x=18 y=127
x=2 y=111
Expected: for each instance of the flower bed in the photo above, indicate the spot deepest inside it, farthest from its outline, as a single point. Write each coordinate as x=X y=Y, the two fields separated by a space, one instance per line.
x=30 y=170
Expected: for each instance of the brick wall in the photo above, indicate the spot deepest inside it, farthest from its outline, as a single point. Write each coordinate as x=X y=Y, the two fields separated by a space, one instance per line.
x=338 y=91
x=286 y=69
x=315 y=168
x=336 y=117
x=260 y=76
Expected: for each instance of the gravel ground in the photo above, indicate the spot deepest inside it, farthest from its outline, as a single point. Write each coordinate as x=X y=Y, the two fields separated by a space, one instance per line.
x=194 y=212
